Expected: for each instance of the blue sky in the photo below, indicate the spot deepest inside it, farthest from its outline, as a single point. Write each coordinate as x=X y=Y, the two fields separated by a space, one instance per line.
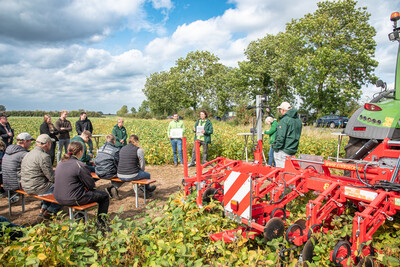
x=96 y=54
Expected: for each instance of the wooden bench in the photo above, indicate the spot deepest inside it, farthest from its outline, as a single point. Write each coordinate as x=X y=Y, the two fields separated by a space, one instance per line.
x=134 y=183
x=73 y=210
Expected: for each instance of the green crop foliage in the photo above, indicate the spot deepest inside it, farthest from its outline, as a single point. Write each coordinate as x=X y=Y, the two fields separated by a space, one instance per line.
x=178 y=236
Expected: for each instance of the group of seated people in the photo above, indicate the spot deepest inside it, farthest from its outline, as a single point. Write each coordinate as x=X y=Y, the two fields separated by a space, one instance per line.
x=72 y=183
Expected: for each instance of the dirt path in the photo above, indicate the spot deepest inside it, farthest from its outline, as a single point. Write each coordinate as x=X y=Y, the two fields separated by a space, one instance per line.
x=169 y=181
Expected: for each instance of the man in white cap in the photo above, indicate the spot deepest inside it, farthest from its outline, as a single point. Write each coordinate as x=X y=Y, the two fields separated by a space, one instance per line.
x=287 y=134
x=11 y=164
x=37 y=175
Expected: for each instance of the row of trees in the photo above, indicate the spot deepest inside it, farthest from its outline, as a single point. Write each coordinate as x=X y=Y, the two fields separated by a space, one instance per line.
x=55 y=114
x=321 y=60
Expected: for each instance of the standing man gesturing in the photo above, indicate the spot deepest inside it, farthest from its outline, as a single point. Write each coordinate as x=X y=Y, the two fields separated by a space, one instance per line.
x=63 y=127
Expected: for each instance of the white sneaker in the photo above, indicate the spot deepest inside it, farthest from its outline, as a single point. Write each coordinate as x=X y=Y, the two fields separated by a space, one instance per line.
x=14 y=198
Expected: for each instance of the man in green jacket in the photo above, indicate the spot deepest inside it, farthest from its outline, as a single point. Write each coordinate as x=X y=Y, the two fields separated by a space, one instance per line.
x=120 y=134
x=287 y=134
x=203 y=130
x=86 y=158
x=175 y=132
x=271 y=132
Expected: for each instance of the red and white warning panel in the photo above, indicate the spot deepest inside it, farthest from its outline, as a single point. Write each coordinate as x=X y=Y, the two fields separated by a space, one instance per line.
x=237 y=194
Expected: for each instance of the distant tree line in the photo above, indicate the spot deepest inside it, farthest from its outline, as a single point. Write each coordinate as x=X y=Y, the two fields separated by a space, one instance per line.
x=54 y=114
x=322 y=59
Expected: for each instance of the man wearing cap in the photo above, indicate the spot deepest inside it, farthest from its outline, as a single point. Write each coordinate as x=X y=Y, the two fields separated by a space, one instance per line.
x=63 y=127
x=37 y=175
x=287 y=134
x=6 y=132
x=11 y=165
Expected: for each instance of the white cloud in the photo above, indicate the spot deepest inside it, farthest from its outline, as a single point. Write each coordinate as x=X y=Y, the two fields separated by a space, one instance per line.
x=158 y=4
x=45 y=53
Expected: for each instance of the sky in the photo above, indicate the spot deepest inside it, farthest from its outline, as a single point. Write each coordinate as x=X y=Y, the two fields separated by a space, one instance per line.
x=96 y=54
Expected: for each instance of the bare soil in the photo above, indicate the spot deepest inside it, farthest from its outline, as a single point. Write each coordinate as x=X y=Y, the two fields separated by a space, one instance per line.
x=169 y=181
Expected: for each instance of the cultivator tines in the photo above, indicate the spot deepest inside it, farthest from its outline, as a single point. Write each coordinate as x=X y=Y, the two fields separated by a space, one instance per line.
x=256 y=196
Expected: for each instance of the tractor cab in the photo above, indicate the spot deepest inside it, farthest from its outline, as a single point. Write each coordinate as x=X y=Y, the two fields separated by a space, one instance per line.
x=380 y=118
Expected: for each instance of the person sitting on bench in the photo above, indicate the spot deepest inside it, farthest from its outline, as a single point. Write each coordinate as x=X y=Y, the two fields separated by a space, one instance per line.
x=37 y=175
x=106 y=163
x=74 y=184
x=131 y=164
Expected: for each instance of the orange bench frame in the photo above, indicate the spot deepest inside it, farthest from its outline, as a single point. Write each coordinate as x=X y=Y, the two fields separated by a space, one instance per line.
x=134 y=183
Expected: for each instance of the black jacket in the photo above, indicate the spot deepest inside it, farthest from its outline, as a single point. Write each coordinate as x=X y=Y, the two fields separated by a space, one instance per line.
x=128 y=160
x=73 y=183
x=8 y=140
x=107 y=161
x=11 y=167
x=45 y=129
x=85 y=125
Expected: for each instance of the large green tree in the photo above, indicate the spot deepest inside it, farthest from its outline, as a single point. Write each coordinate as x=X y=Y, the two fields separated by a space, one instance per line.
x=123 y=111
x=196 y=74
x=164 y=93
x=336 y=55
x=268 y=67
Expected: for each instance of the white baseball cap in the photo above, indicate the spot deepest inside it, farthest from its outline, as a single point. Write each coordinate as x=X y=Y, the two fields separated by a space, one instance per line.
x=24 y=137
x=285 y=106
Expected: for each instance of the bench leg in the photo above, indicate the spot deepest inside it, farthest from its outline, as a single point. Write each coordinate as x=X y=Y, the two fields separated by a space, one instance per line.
x=86 y=216
x=144 y=195
x=9 y=202
x=71 y=214
x=23 y=202
x=135 y=188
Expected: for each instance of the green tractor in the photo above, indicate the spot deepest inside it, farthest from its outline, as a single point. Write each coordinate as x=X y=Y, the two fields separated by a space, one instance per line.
x=380 y=118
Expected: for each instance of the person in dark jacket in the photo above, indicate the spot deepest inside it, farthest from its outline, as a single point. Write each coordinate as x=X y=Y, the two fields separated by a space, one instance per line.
x=86 y=157
x=106 y=163
x=6 y=132
x=84 y=124
x=120 y=134
x=47 y=127
x=63 y=127
x=2 y=151
x=287 y=134
x=11 y=164
x=203 y=130
x=74 y=184
x=131 y=165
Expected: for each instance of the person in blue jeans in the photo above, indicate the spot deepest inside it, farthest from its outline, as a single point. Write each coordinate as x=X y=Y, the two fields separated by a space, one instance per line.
x=14 y=233
x=175 y=132
x=271 y=132
x=131 y=165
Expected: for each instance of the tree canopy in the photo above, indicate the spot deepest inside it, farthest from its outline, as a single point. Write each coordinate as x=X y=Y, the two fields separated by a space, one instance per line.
x=322 y=60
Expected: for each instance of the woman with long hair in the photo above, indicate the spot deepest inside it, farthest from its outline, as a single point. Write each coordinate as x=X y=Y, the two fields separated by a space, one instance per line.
x=47 y=127
x=74 y=184
x=131 y=164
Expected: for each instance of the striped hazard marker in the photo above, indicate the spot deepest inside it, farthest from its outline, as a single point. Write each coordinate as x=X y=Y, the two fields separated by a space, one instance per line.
x=237 y=194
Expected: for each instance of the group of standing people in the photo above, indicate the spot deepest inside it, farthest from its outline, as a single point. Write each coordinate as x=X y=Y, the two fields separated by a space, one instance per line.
x=202 y=129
